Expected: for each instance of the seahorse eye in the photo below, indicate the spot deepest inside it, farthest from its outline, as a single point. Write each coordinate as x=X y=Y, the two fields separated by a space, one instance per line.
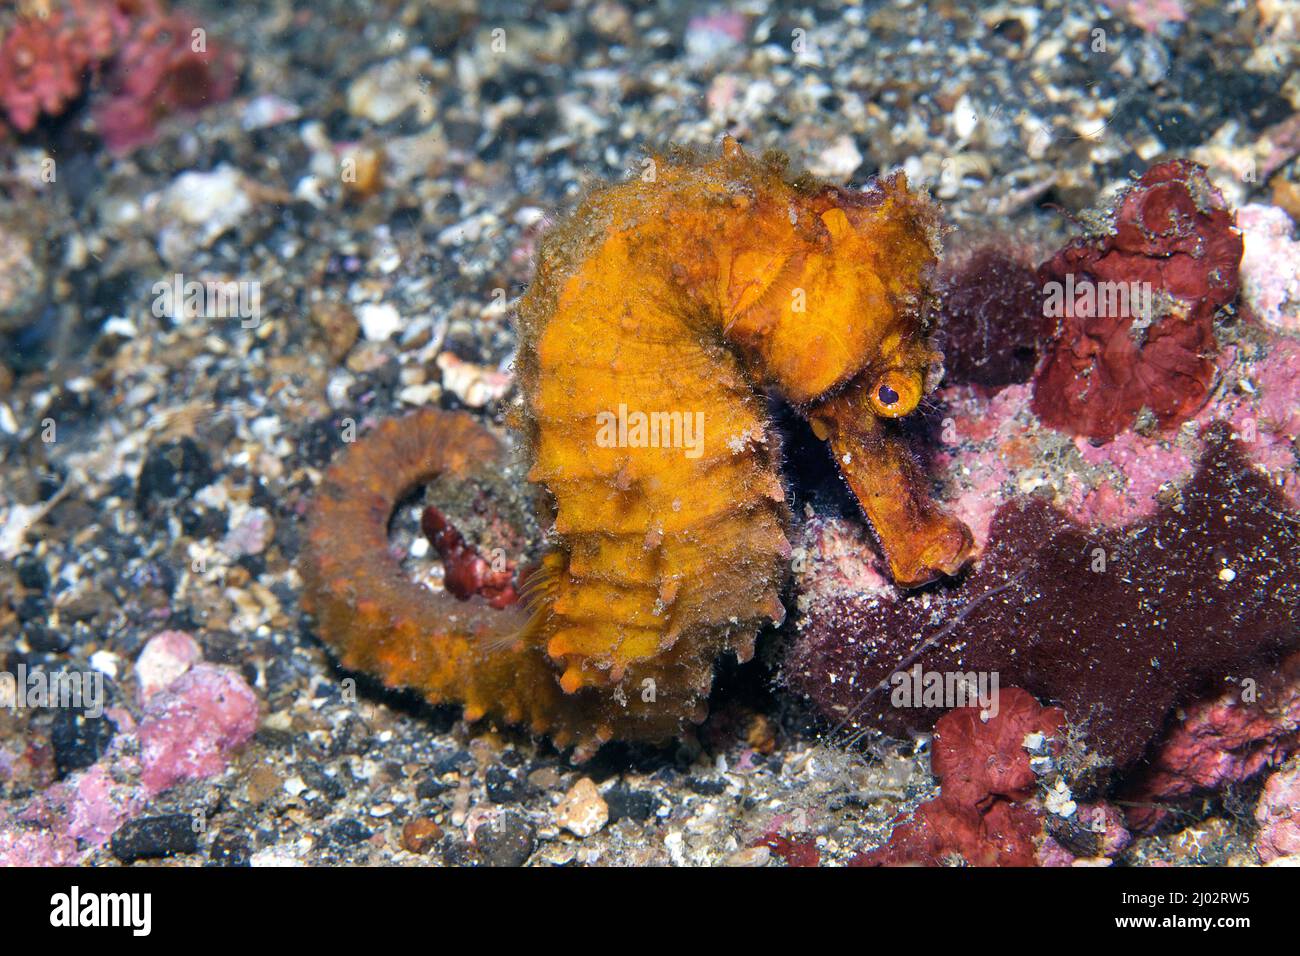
x=896 y=393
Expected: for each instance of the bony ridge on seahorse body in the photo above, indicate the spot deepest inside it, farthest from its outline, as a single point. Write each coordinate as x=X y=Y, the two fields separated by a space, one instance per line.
x=674 y=300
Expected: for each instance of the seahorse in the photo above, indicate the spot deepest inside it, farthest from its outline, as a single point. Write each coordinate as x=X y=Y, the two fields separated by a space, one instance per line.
x=662 y=314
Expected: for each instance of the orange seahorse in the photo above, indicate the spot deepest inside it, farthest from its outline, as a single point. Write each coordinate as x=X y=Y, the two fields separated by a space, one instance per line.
x=662 y=312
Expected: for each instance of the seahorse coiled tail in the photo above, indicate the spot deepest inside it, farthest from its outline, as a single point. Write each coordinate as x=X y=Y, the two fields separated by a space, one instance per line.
x=380 y=621
x=663 y=311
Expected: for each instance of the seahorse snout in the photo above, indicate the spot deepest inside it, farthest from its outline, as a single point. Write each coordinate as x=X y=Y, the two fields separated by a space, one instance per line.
x=945 y=547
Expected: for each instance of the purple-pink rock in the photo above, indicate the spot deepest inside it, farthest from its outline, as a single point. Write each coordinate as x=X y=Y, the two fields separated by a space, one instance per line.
x=1150 y=15
x=1278 y=814
x=63 y=823
x=190 y=729
x=191 y=726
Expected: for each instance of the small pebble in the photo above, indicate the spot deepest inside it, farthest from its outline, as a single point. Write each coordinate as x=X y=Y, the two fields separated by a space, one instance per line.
x=379 y=320
x=583 y=812
x=167 y=656
x=387 y=90
x=474 y=385
x=624 y=802
x=506 y=785
x=505 y=840
x=419 y=835
x=78 y=740
x=754 y=856
x=347 y=833
x=147 y=838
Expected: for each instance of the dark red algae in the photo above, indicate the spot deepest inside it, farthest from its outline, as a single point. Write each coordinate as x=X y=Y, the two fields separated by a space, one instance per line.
x=990 y=317
x=1205 y=590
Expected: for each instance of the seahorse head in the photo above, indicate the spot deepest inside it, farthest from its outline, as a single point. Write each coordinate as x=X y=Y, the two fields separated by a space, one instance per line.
x=825 y=288
x=830 y=285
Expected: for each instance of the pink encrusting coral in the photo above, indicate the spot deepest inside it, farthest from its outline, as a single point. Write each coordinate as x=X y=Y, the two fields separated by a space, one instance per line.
x=842 y=553
x=66 y=821
x=1263 y=408
x=155 y=64
x=1270 y=266
x=189 y=729
x=998 y=448
x=993 y=447
x=167 y=66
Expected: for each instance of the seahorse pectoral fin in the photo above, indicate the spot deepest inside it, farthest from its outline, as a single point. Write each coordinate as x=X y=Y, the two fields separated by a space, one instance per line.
x=919 y=539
